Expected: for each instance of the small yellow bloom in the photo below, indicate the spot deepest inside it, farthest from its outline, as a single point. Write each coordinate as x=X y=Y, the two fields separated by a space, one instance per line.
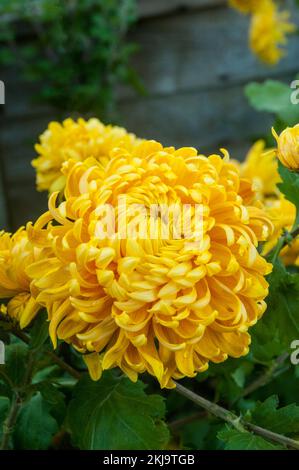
x=16 y=253
x=288 y=147
x=268 y=32
x=167 y=306
x=261 y=168
x=245 y=6
x=77 y=140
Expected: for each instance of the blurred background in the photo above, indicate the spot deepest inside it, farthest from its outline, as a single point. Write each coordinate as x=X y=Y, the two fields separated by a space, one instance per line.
x=170 y=70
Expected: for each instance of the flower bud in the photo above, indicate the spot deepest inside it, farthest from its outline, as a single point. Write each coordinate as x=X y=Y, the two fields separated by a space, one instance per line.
x=288 y=147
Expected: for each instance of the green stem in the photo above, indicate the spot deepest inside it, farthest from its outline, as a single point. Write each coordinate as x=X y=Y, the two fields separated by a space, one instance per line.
x=9 y=423
x=236 y=421
x=265 y=378
x=73 y=372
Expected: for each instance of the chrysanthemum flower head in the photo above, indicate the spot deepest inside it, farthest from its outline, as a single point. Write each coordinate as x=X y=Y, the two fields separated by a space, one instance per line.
x=288 y=147
x=77 y=140
x=16 y=253
x=268 y=32
x=165 y=305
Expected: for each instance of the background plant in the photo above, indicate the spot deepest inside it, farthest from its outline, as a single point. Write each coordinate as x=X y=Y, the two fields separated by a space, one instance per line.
x=75 y=50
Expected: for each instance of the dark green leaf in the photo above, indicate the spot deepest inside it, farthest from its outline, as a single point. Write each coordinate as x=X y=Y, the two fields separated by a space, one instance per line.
x=115 y=413
x=283 y=420
x=4 y=406
x=236 y=440
x=39 y=333
x=35 y=426
x=279 y=326
x=16 y=355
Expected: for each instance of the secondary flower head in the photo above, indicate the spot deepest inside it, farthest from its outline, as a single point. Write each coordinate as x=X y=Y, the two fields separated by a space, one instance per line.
x=268 y=32
x=261 y=168
x=169 y=305
x=288 y=147
x=16 y=253
x=245 y=6
x=77 y=140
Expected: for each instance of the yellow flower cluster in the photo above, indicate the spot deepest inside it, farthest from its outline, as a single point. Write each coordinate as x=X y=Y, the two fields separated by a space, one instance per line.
x=77 y=140
x=16 y=253
x=268 y=30
x=165 y=306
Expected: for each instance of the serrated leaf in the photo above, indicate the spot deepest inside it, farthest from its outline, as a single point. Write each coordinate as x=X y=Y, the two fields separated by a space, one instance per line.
x=35 y=426
x=283 y=420
x=290 y=187
x=236 y=440
x=274 y=97
x=115 y=413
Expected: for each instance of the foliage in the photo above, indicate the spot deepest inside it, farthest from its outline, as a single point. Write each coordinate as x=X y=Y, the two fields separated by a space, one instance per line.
x=76 y=51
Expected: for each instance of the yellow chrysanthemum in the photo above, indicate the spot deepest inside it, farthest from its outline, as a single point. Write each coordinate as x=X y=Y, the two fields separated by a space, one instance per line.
x=165 y=306
x=260 y=167
x=288 y=147
x=77 y=140
x=268 y=32
x=16 y=253
x=245 y=6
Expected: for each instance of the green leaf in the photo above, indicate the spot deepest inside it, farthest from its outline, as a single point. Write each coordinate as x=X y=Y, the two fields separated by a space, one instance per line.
x=290 y=187
x=35 y=426
x=274 y=97
x=115 y=413
x=4 y=406
x=54 y=398
x=39 y=333
x=236 y=440
x=194 y=434
x=16 y=355
x=279 y=326
x=280 y=420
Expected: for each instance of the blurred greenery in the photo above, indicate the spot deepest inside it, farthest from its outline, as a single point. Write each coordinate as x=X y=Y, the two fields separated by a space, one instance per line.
x=75 y=50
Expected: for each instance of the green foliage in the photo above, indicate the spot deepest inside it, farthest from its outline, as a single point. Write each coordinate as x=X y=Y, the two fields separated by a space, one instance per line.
x=35 y=416
x=273 y=97
x=290 y=187
x=235 y=440
x=283 y=420
x=116 y=414
x=280 y=326
x=76 y=51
